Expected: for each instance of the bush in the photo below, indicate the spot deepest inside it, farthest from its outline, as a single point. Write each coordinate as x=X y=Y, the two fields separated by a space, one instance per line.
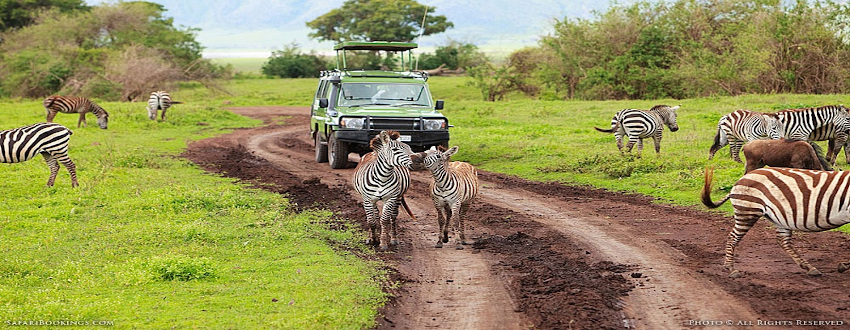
x=290 y=63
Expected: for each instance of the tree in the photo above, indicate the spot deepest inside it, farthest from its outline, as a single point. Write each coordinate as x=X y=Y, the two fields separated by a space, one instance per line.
x=377 y=20
x=16 y=14
x=291 y=63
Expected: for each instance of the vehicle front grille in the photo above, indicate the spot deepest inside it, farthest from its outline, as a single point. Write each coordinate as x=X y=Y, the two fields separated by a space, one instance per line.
x=395 y=124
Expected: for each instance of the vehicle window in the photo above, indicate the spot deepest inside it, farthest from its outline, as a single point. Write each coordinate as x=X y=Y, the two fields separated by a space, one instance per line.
x=322 y=91
x=360 y=94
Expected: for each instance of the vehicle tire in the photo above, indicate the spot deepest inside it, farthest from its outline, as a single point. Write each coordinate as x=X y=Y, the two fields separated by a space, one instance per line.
x=337 y=153
x=321 y=149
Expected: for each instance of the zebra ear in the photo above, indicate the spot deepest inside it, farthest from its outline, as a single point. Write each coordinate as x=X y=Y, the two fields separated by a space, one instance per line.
x=676 y=107
x=433 y=148
x=384 y=136
x=450 y=152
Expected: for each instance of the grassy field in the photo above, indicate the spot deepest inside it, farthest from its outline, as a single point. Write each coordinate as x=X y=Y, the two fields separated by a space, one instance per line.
x=150 y=240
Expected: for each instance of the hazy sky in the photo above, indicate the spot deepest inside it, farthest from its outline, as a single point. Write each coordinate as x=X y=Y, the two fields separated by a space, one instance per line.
x=253 y=28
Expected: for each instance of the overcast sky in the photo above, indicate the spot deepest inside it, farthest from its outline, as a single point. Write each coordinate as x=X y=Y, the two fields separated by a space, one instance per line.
x=254 y=28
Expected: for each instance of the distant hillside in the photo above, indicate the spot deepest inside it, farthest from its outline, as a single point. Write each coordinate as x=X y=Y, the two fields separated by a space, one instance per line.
x=260 y=25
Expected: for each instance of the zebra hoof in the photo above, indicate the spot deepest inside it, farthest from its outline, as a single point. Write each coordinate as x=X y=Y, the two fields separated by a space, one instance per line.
x=843 y=267
x=814 y=272
x=445 y=239
x=439 y=245
x=735 y=274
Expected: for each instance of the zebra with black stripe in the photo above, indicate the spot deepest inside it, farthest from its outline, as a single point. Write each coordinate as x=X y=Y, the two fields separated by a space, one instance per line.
x=71 y=104
x=453 y=189
x=816 y=123
x=829 y=133
x=792 y=199
x=48 y=139
x=383 y=175
x=741 y=126
x=640 y=124
x=159 y=100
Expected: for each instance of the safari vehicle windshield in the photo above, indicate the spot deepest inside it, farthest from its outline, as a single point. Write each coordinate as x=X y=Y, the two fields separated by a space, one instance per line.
x=386 y=94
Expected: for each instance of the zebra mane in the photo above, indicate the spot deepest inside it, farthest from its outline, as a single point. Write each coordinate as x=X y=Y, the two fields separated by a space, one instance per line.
x=376 y=143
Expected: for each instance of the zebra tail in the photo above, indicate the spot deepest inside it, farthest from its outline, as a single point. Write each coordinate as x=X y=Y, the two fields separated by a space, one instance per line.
x=719 y=141
x=610 y=130
x=818 y=154
x=705 y=196
x=176 y=102
x=407 y=209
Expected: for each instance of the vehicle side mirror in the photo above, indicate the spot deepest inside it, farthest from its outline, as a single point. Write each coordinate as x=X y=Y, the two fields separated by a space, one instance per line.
x=440 y=104
x=323 y=103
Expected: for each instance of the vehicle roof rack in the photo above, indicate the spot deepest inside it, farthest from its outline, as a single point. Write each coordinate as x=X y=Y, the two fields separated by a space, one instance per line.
x=389 y=46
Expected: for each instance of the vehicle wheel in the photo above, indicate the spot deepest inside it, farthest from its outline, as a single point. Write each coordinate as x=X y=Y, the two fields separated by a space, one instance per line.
x=321 y=149
x=337 y=153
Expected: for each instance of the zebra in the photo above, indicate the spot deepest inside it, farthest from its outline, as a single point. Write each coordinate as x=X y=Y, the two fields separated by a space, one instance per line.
x=455 y=185
x=792 y=199
x=639 y=124
x=741 y=126
x=70 y=104
x=49 y=139
x=828 y=133
x=159 y=100
x=816 y=123
x=383 y=175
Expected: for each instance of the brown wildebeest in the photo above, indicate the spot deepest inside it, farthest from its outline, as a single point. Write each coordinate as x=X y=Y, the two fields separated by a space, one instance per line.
x=785 y=153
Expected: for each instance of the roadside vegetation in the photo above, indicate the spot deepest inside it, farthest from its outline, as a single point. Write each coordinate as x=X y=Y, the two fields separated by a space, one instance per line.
x=150 y=240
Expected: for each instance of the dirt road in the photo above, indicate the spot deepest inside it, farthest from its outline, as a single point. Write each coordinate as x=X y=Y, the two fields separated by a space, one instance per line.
x=549 y=255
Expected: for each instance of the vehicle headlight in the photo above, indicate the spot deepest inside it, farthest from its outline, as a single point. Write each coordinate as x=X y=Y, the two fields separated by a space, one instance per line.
x=434 y=124
x=356 y=123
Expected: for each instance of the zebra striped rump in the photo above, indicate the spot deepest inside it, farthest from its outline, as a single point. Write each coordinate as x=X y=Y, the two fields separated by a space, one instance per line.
x=792 y=199
x=48 y=139
x=159 y=100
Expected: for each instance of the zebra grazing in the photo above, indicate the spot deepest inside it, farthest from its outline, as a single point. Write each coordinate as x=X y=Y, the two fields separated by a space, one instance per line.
x=742 y=126
x=159 y=100
x=49 y=139
x=828 y=133
x=383 y=175
x=70 y=104
x=817 y=124
x=792 y=199
x=639 y=124
x=455 y=185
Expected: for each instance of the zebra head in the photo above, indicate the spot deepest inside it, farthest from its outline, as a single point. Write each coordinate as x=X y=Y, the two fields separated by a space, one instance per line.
x=668 y=115
x=436 y=160
x=102 y=116
x=390 y=150
x=773 y=126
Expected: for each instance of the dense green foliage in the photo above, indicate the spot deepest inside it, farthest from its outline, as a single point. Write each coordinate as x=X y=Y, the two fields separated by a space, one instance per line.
x=377 y=20
x=291 y=63
x=149 y=240
x=16 y=14
x=119 y=51
x=455 y=55
x=690 y=48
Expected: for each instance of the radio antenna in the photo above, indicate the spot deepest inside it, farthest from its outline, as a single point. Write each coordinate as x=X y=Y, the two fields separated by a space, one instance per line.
x=421 y=32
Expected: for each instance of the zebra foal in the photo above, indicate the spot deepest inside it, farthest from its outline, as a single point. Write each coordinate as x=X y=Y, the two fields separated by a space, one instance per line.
x=455 y=185
x=637 y=125
x=383 y=175
x=742 y=126
x=159 y=100
x=48 y=139
x=791 y=199
x=70 y=104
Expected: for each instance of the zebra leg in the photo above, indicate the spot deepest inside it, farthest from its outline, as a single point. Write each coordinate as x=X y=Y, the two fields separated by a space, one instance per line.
x=53 y=165
x=735 y=150
x=640 y=147
x=69 y=165
x=619 y=138
x=442 y=234
x=657 y=140
x=163 y=115
x=372 y=221
x=393 y=226
x=461 y=225
x=742 y=226
x=386 y=223
x=50 y=115
x=784 y=237
x=152 y=113
x=82 y=120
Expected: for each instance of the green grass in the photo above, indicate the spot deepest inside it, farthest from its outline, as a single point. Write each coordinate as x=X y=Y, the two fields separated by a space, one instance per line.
x=243 y=65
x=150 y=240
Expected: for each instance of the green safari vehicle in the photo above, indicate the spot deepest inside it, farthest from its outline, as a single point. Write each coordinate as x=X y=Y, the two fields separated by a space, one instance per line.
x=351 y=106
